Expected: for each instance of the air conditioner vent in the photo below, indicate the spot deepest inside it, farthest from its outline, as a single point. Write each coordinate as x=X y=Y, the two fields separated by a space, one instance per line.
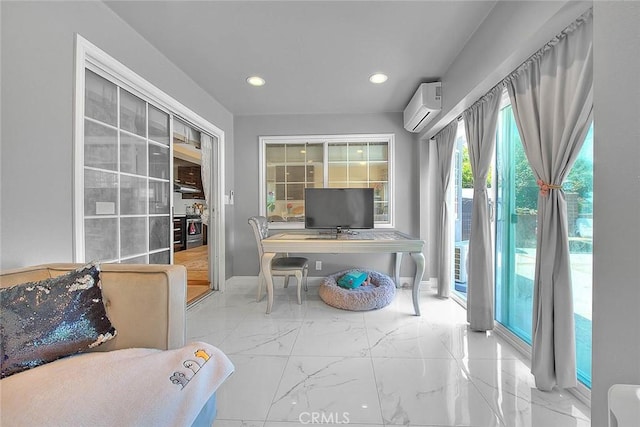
x=423 y=105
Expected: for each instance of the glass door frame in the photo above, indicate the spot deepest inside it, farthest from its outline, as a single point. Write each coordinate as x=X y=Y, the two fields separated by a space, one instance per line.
x=582 y=391
x=87 y=55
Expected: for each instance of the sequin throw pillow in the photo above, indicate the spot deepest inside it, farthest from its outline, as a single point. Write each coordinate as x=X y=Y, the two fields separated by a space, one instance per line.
x=44 y=321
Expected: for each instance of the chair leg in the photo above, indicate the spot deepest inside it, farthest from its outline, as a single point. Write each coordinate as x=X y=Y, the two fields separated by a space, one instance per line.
x=299 y=280
x=260 y=283
x=306 y=274
x=286 y=281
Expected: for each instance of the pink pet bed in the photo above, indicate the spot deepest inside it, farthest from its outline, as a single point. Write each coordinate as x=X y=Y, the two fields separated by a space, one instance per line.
x=378 y=293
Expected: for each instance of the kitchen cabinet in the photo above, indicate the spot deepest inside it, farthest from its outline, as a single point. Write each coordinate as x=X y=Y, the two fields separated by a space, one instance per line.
x=179 y=233
x=191 y=176
x=204 y=234
x=185 y=134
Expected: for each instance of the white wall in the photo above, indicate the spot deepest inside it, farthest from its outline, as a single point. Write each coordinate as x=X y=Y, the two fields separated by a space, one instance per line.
x=37 y=47
x=616 y=208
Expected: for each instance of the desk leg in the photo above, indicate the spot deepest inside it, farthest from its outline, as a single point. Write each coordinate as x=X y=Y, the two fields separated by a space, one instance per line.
x=419 y=260
x=396 y=270
x=265 y=266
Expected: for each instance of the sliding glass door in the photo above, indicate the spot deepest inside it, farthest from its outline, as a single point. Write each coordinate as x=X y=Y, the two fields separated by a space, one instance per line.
x=579 y=193
x=516 y=213
x=463 y=203
x=123 y=166
x=463 y=206
x=516 y=222
x=127 y=176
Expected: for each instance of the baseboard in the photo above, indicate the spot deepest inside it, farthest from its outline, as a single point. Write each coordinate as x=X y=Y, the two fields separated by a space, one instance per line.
x=253 y=280
x=237 y=280
x=315 y=281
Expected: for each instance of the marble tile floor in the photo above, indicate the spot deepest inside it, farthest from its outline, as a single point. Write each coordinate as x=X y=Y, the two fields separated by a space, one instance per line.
x=314 y=364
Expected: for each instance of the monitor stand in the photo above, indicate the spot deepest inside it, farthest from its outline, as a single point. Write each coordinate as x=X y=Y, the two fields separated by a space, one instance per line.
x=340 y=230
x=336 y=232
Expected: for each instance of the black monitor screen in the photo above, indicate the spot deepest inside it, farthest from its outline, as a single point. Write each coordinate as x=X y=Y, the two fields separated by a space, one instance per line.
x=338 y=208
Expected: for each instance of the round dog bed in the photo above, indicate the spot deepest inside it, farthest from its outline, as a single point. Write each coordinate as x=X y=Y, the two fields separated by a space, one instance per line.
x=378 y=293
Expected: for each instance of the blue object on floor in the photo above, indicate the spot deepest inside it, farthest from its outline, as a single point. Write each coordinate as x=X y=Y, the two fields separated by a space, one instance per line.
x=352 y=279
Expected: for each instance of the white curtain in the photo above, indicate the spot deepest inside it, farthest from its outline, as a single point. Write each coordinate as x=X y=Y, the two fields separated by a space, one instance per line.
x=445 y=141
x=206 y=146
x=552 y=99
x=480 y=123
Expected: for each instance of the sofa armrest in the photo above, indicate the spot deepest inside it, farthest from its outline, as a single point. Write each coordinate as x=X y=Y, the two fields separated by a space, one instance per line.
x=145 y=303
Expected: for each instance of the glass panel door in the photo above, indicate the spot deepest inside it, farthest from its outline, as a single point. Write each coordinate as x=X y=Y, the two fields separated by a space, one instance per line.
x=579 y=194
x=463 y=203
x=127 y=195
x=516 y=238
x=516 y=230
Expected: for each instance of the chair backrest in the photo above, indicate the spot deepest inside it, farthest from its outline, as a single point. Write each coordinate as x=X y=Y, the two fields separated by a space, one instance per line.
x=260 y=228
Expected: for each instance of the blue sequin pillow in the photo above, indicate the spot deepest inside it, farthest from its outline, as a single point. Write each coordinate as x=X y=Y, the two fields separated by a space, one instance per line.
x=44 y=321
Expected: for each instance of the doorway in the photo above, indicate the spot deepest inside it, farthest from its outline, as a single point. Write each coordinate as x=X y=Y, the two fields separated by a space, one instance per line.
x=123 y=174
x=190 y=209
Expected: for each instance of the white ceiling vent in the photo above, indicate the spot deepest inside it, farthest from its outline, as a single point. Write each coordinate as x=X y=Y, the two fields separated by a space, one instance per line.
x=424 y=105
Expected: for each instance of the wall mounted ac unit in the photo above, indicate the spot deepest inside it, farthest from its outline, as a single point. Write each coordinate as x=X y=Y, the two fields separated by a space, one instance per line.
x=424 y=105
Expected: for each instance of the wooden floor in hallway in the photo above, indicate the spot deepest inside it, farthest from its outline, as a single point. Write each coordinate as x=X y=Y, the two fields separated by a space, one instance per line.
x=196 y=261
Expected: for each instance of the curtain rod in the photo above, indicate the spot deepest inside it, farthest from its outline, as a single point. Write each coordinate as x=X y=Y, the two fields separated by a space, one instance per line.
x=568 y=29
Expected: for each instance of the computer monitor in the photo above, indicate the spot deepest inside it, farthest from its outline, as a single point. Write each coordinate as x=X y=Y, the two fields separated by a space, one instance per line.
x=338 y=208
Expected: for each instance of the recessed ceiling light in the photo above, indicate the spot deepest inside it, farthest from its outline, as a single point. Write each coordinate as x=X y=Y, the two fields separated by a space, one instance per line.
x=255 y=81
x=378 y=78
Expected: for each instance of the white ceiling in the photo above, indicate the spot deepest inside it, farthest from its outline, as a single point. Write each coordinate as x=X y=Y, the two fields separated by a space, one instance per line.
x=316 y=56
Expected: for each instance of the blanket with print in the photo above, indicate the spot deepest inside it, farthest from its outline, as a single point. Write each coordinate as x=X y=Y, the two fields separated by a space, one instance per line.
x=131 y=387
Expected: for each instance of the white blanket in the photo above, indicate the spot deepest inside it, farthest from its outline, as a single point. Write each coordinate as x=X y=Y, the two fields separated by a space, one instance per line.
x=132 y=387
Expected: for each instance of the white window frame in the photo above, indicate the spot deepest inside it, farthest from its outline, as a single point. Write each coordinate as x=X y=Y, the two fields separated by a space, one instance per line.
x=325 y=140
x=89 y=56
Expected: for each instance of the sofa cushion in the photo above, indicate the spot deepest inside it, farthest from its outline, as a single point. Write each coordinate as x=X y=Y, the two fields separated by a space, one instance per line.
x=46 y=320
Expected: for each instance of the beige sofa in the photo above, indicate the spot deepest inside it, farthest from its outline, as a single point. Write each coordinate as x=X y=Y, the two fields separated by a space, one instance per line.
x=147 y=306
x=145 y=303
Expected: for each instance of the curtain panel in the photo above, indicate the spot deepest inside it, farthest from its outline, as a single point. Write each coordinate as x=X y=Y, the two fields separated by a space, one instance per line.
x=552 y=99
x=206 y=148
x=445 y=141
x=480 y=127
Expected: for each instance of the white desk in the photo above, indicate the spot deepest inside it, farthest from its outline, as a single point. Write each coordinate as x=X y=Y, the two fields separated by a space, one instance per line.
x=363 y=242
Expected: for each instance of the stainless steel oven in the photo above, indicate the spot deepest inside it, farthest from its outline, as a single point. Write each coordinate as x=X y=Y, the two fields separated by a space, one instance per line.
x=194 y=232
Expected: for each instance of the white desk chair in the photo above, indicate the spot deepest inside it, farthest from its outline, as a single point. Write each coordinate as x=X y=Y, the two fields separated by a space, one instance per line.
x=280 y=265
x=624 y=405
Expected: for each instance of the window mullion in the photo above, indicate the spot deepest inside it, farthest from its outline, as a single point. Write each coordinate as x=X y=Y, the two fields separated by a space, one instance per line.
x=325 y=157
x=118 y=177
x=148 y=198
